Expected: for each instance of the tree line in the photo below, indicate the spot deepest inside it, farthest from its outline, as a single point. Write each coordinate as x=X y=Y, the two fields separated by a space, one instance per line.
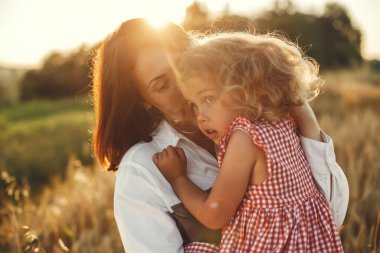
x=330 y=38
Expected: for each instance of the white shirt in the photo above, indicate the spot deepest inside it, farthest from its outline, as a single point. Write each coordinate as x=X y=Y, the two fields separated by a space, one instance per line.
x=143 y=198
x=328 y=175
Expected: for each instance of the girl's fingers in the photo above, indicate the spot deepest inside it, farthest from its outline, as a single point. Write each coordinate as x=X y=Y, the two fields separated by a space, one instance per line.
x=156 y=159
x=180 y=153
x=164 y=153
x=171 y=151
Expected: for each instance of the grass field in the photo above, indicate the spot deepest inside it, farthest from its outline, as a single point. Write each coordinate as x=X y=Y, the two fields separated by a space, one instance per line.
x=75 y=214
x=38 y=137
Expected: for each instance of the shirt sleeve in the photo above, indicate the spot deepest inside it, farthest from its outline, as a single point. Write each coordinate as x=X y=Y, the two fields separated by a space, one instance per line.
x=328 y=175
x=144 y=223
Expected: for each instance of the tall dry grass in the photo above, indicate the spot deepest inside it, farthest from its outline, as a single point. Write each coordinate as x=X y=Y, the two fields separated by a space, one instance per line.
x=76 y=215
x=349 y=111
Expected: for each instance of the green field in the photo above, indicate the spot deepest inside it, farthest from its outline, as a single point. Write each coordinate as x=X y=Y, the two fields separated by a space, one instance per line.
x=38 y=137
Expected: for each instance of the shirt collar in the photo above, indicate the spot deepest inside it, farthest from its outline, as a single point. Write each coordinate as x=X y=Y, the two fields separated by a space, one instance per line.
x=166 y=135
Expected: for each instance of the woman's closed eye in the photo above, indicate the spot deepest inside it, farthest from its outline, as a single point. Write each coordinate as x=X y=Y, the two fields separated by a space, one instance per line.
x=162 y=86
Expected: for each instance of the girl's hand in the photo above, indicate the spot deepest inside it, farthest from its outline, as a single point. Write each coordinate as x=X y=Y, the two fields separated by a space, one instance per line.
x=306 y=121
x=171 y=162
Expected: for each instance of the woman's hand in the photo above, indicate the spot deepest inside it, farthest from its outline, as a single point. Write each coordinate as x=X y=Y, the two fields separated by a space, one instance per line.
x=306 y=121
x=171 y=162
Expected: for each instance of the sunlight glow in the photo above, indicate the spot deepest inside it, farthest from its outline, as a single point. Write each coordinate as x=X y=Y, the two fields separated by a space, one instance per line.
x=157 y=21
x=32 y=29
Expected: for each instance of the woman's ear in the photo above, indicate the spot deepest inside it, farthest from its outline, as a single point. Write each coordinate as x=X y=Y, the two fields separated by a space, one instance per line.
x=147 y=106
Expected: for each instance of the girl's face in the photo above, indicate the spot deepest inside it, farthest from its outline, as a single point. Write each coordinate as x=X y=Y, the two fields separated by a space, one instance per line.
x=157 y=84
x=213 y=116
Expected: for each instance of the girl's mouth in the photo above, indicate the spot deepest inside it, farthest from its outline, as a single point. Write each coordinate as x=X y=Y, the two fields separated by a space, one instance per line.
x=210 y=133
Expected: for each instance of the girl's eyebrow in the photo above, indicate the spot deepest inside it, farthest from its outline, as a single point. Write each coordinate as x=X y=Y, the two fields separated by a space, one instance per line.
x=203 y=91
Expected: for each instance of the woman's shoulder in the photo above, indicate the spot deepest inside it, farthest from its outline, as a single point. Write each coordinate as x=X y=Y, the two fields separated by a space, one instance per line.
x=140 y=152
x=137 y=161
x=163 y=136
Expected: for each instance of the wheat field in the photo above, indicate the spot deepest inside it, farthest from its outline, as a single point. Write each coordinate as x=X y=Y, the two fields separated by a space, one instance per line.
x=76 y=214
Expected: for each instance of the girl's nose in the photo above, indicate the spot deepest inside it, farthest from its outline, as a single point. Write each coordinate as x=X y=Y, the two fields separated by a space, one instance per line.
x=201 y=116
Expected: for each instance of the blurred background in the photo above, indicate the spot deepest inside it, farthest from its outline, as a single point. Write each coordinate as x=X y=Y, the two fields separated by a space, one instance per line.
x=55 y=198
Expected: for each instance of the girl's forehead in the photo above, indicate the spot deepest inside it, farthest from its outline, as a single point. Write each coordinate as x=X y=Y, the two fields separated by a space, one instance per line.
x=196 y=87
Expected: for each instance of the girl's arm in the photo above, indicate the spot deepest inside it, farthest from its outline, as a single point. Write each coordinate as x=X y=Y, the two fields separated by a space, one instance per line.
x=213 y=210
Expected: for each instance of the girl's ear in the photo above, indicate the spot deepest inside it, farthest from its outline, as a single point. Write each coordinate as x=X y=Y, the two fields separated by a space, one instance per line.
x=238 y=94
x=241 y=93
x=235 y=97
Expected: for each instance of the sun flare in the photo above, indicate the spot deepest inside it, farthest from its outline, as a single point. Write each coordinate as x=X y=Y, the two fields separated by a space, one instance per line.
x=157 y=21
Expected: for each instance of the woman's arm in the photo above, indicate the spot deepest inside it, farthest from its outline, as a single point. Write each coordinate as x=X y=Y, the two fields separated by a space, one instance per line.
x=306 y=122
x=328 y=175
x=319 y=151
x=143 y=222
x=213 y=210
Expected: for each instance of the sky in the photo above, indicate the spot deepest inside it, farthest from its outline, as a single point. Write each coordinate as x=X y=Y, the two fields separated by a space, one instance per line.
x=30 y=29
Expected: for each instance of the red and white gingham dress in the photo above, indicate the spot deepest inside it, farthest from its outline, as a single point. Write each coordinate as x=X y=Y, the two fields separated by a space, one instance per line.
x=201 y=247
x=285 y=213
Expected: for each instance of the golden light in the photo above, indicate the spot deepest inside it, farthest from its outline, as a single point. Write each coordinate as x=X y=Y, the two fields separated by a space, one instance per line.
x=160 y=12
x=48 y=27
x=157 y=21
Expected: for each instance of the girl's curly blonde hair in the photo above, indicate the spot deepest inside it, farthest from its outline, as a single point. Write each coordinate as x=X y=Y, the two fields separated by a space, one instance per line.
x=260 y=75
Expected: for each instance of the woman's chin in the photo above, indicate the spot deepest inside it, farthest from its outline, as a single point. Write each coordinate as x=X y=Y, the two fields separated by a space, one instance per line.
x=181 y=111
x=180 y=117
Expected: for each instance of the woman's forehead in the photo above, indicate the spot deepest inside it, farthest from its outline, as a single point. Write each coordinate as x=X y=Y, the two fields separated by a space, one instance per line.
x=154 y=62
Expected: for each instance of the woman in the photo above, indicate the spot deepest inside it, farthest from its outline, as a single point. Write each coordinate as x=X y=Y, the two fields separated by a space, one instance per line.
x=137 y=108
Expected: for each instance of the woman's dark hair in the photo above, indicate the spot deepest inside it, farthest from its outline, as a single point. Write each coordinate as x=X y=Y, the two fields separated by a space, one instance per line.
x=121 y=119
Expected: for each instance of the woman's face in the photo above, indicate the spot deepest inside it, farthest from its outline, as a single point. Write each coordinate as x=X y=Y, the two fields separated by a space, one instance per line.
x=157 y=83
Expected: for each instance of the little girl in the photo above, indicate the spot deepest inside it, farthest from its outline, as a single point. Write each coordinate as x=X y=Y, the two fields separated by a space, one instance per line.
x=241 y=87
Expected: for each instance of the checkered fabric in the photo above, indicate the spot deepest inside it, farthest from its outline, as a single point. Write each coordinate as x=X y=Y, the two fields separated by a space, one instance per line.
x=285 y=213
x=201 y=247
